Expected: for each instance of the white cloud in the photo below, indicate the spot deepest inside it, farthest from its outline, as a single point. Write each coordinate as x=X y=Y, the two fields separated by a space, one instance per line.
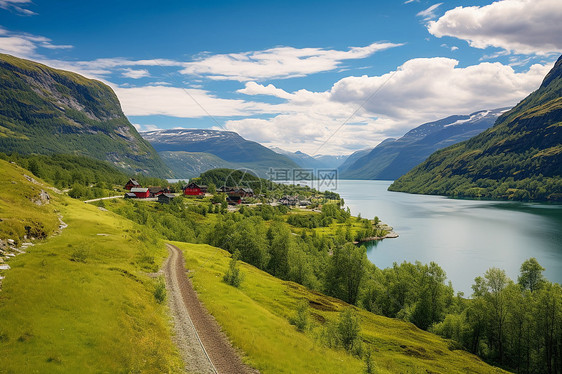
x=17 y=5
x=431 y=87
x=280 y=62
x=429 y=13
x=253 y=88
x=519 y=26
x=25 y=45
x=421 y=90
x=135 y=74
x=140 y=127
x=179 y=102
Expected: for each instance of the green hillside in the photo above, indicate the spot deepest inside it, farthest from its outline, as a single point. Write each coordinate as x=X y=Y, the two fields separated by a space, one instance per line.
x=80 y=301
x=256 y=318
x=519 y=158
x=83 y=301
x=45 y=110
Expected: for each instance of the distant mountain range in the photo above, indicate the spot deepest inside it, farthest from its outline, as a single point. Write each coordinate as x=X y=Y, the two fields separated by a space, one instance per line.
x=394 y=157
x=519 y=158
x=46 y=111
x=189 y=152
x=312 y=162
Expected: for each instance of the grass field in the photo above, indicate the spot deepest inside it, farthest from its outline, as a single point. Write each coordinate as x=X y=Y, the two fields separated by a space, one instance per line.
x=17 y=206
x=256 y=318
x=81 y=302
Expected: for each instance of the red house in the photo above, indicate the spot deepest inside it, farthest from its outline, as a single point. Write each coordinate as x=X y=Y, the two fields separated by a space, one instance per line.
x=193 y=189
x=142 y=193
x=132 y=183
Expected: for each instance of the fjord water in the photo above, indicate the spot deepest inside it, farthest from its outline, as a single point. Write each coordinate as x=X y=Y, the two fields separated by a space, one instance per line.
x=465 y=237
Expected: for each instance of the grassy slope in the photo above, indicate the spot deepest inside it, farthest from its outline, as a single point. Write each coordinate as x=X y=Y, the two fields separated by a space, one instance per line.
x=17 y=210
x=62 y=316
x=255 y=317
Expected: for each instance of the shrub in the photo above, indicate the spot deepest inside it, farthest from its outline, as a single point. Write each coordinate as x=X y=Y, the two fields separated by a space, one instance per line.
x=348 y=329
x=79 y=255
x=300 y=320
x=233 y=275
x=160 y=291
x=369 y=364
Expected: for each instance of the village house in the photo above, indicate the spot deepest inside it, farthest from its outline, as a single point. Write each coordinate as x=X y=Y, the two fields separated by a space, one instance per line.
x=156 y=191
x=130 y=195
x=233 y=200
x=132 y=183
x=194 y=189
x=166 y=198
x=141 y=193
x=289 y=200
x=237 y=191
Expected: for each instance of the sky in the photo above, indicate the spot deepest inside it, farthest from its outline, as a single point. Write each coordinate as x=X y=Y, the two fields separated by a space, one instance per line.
x=322 y=77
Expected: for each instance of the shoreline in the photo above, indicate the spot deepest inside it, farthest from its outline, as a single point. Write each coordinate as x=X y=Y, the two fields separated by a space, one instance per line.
x=389 y=235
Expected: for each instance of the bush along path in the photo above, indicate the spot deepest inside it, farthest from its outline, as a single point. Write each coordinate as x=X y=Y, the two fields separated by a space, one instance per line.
x=204 y=348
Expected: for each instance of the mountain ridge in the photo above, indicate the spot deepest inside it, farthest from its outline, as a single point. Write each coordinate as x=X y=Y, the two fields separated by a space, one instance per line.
x=177 y=146
x=45 y=110
x=394 y=157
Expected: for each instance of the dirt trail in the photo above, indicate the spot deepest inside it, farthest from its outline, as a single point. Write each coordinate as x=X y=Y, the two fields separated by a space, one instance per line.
x=203 y=346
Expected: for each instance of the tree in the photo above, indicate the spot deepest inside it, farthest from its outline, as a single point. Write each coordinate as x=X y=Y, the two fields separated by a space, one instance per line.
x=531 y=277
x=346 y=269
x=491 y=289
x=348 y=329
x=249 y=237
x=212 y=189
x=280 y=242
x=33 y=167
x=300 y=320
x=233 y=275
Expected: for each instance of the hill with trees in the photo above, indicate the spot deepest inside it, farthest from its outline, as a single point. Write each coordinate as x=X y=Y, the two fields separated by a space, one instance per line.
x=519 y=158
x=50 y=111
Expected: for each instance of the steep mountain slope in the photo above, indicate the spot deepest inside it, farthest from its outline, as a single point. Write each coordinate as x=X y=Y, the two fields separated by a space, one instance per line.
x=312 y=162
x=45 y=110
x=228 y=146
x=520 y=157
x=393 y=158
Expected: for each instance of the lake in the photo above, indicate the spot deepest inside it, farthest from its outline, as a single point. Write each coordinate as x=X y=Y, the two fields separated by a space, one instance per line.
x=465 y=237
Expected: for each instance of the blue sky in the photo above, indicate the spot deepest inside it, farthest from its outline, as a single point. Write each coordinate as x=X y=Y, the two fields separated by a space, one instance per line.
x=291 y=73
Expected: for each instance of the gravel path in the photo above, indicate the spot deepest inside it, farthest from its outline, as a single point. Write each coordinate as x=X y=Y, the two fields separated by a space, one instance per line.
x=203 y=346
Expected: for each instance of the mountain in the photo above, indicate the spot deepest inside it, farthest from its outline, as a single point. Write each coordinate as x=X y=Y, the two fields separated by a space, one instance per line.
x=519 y=158
x=331 y=161
x=395 y=157
x=312 y=162
x=45 y=110
x=350 y=160
x=181 y=149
